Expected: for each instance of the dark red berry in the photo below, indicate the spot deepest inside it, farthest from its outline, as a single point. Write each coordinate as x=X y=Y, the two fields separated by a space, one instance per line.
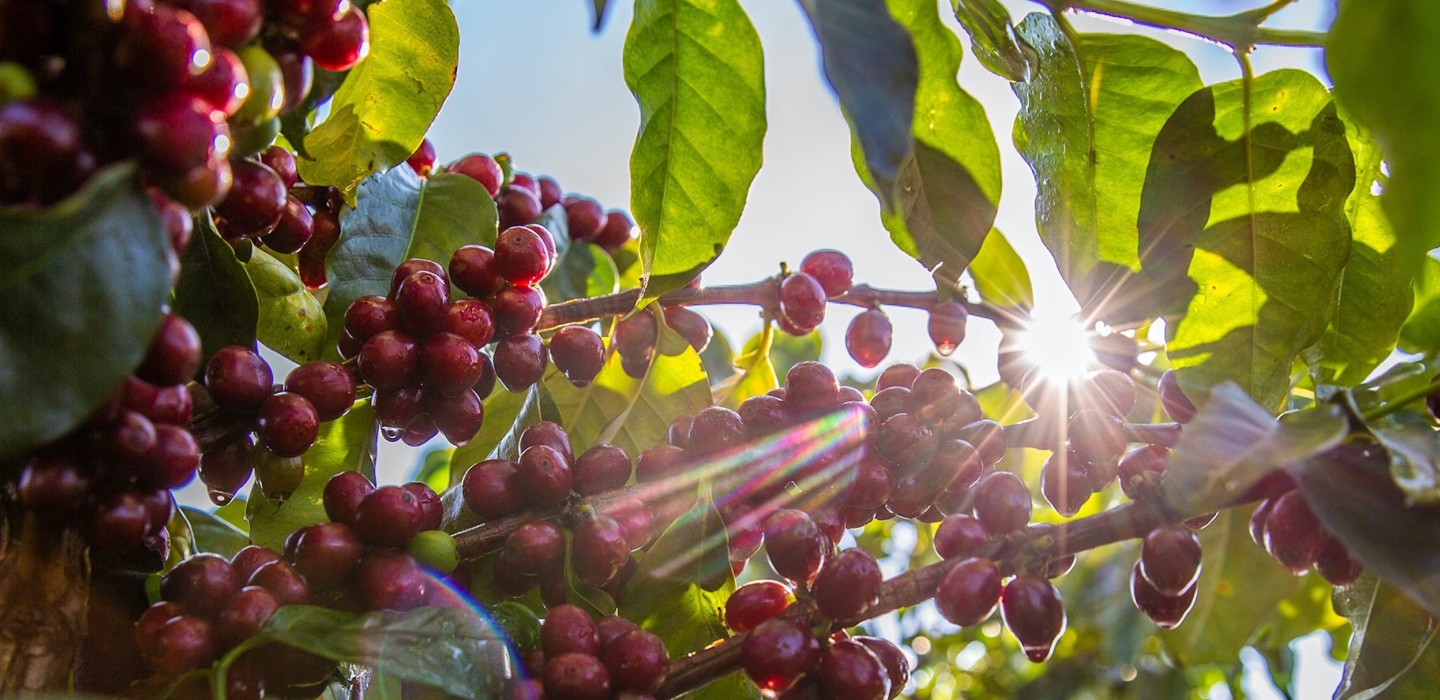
x=117 y=522
x=328 y=386
x=947 y=326
x=172 y=461
x=795 y=545
x=171 y=404
x=423 y=159
x=339 y=45
x=517 y=206
x=690 y=325
x=342 y=496
x=569 y=629
x=534 y=548
x=283 y=163
x=896 y=665
x=959 y=536
x=432 y=512
x=901 y=375
x=390 y=580
x=716 y=428
x=1165 y=610
x=180 y=132
x=848 y=585
x=868 y=337
x=53 y=488
x=1035 y=615
x=520 y=361
x=369 y=316
x=244 y=614
x=584 y=218
x=636 y=660
x=905 y=441
x=661 y=462
x=517 y=309
x=389 y=361
x=599 y=550
x=1065 y=481
x=987 y=437
x=578 y=352
x=619 y=229
x=1293 y=535
x=1173 y=398
x=482 y=169
x=756 y=602
x=449 y=364
x=326 y=553
x=174 y=353
x=1002 y=502
x=1170 y=559
x=399 y=408
x=471 y=319
x=544 y=476
x=1336 y=564
x=288 y=586
x=293 y=231
x=460 y=417
x=811 y=387
x=183 y=644
x=287 y=424
x=832 y=269
x=802 y=302
x=410 y=266
x=1096 y=437
x=389 y=516
x=777 y=652
x=421 y=303
x=764 y=415
x=200 y=584
x=491 y=490
x=256 y=200
x=848 y=669
x=601 y=468
x=1140 y=468
x=576 y=676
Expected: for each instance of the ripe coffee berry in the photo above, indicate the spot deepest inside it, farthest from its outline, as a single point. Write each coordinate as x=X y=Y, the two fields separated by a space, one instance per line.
x=1096 y=437
x=244 y=614
x=343 y=494
x=1002 y=502
x=811 y=387
x=848 y=669
x=534 y=548
x=1293 y=535
x=901 y=375
x=795 y=545
x=449 y=364
x=329 y=386
x=868 y=337
x=388 y=517
x=848 y=585
x=959 y=536
x=831 y=268
x=472 y=269
x=1140 y=469
x=390 y=580
x=777 y=652
x=947 y=326
x=1034 y=613
x=690 y=325
x=256 y=200
x=481 y=168
x=200 y=584
x=388 y=361
x=1170 y=558
x=969 y=592
x=517 y=206
x=288 y=586
x=544 y=476
x=569 y=629
x=238 y=378
x=601 y=468
x=517 y=309
x=577 y=676
x=1173 y=398
x=423 y=159
x=520 y=361
x=1165 y=610
x=802 y=302
x=326 y=553
x=756 y=602
x=635 y=338
x=578 y=352
x=369 y=316
x=584 y=218
x=716 y=428
x=287 y=424
x=637 y=661
x=521 y=256
x=184 y=643
x=174 y=353
x=422 y=302
x=1336 y=564
x=1065 y=481
x=491 y=490
x=619 y=229
x=599 y=550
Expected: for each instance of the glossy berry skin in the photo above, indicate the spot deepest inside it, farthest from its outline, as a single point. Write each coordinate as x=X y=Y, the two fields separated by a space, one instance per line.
x=244 y=614
x=283 y=163
x=343 y=494
x=1065 y=481
x=1140 y=469
x=893 y=659
x=389 y=361
x=959 y=536
x=868 y=337
x=473 y=270
x=521 y=256
x=183 y=644
x=550 y=435
x=423 y=159
x=390 y=580
x=517 y=206
x=599 y=550
x=421 y=302
x=690 y=325
x=287 y=424
x=969 y=592
x=449 y=364
x=831 y=268
x=1173 y=398
x=811 y=387
x=584 y=218
x=716 y=428
x=1034 y=613
x=1002 y=502
x=249 y=559
x=328 y=386
x=174 y=353
x=481 y=168
x=520 y=361
x=342 y=44
x=777 y=652
x=569 y=629
x=578 y=352
x=1336 y=564
x=1096 y=437
x=294 y=230
x=180 y=132
x=619 y=230
x=575 y=676
x=517 y=309
x=278 y=577
x=661 y=462
x=795 y=545
x=637 y=661
x=947 y=326
x=906 y=442
x=848 y=585
x=326 y=553
x=848 y=669
x=53 y=488
x=200 y=584
x=534 y=548
x=756 y=602
x=491 y=490
x=764 y=415
x=1170 y=559
x=1166 y=611
x=369 y=316
x=388 y=517
x=544 y=476
x=802 y=302
x=41 y=150
x=601 y=468
x=256 y=200
x=460 y=417
x=1293 y=535
x=470 y=319
x=173 y=460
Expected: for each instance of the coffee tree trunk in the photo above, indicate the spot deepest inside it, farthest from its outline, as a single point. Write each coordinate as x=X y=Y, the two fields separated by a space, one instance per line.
x=44 y=587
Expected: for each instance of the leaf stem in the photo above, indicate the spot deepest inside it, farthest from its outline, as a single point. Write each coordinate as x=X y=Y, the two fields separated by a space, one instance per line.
x=1404 y=400
x=1240 y=32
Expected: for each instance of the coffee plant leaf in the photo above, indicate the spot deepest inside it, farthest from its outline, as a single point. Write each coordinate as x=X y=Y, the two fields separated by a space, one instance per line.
x=1421 y=331
x=380 y=114
x=1401 y=107
x=87 y=273
x=1414 y=461
x=348 y=443
x=210 y=533
x=1391 y=647
x=214 y=292
x=398 y=216
x=291 y=320
x=756 y=374
x=719 y=359
x=1108 y=94
x=697 y=71
x=992 y=37
x=632 y=413
x=1001 y=277
x=453 y=650
x=295 y=125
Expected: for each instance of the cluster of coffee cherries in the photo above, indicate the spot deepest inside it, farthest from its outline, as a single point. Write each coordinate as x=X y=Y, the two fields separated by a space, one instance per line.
x=182 y=86
x=268 y=203
x=115 y=471
x=208 y=605
x=580 y=658
x=637 y=335
x=1289 y=531
x=547 y=478
x=285 y=422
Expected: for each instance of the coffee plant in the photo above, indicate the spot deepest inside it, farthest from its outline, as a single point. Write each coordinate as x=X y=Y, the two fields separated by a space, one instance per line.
x=228 y=252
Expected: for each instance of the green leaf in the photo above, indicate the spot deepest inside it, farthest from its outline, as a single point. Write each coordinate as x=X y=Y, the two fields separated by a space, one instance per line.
x=1400 y=106
x=1391 y=636
x=84 y=275
x=949 y=182
x=1089 y=117
x=992 y=38
x=400 y=216
x=632 y=413
x=1375 y=291
x=380 y=114
x=295 y=124
x=696 y=68
x=1421 y=332
x=1233 y=442
x=757 y=372
x=1247 y=195
x=1000 y=275
x=718 y=358
x=214 y=292
x=444 y=648
x=1240 y=589
x=787 y=350
x=212 y=534
x=292 y=321
x=1414 y=461
x=870 y=62
x=345 y=444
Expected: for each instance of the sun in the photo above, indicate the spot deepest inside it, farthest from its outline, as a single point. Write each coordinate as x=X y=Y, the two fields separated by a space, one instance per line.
x=1057 y=345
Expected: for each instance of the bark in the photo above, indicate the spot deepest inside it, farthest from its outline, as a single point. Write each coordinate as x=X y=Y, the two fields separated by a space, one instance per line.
x=44 y=589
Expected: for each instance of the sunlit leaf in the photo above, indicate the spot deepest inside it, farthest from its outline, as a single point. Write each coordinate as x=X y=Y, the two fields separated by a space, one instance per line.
x=756 y=372
x=697 y=71
x=292 y=321
x=214 y=292
x=1391 y=635
x=1000 y=275
x=210 y=533
x=1421 y=332
x=992 y=38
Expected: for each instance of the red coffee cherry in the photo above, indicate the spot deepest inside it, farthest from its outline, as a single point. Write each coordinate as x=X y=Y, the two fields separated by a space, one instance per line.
x=959 y=536
x=831 y=268
x=848 y=585
x=569 y=629
x=795 y=544
x=756 y=602
x=848 y=669
x=947 y=326
x=1170 y=559
x=482 y=169
x=534 y=548
x=868 y=337
x=521 y=256
x=637 y=661
x=576 y=676
x=802 y=302
x=777 y=652
x=328 y=386
x=601 y=468
x=491 y=490
x=1293 y=535
x=1035 y=614
x=578 y=352
x=1166 y=611
x=1002 y=502
x=969 y=592
x=1173 y=398
x=343 y=494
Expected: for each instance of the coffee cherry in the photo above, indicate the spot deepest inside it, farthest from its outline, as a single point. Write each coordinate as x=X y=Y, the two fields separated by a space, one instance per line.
x=905 y=442
x=491 y=490
x=421 y=303
x=986 y=436
x=1002 y=502
x=474 y=271
x=449 y=364
x=521 y=256
x=200 y=584
x=959 y=536
x=635 y=338
x=117 y=522
x=1170 y=559
x=763 y=415
x=956 y=465
x=520 y=361
x=180 y=132
x=1065 y=481
x=432 y=511
x=947 y=326
x=256 y=200
x=661 y=462
x=328 y=386
x=578 y=352
x=369 y=316
x=423 y=159
x=183 y=644
x=716 y=428
x=777 y=652
x=690 y=325
x=848 y=585
x=584 y=218
x=1108 y=391
x=288 y=587
x=896 y=666
x=1173 y=398
x=338 y=45
x=811 y=387
x=969 y=592
x=544 y=476
x=53 y=487
x=1035 y=615
x=569 y=629
x=576 y=676
x=619 y=229
x=1165 y=610
x=868 y=337
x=287 y=424
x=1336 y=564
x=389 y=361
x=599 y=550
x=483 y=169
x=249 y=559
x=756 y=602
x=343 y=494
x=172 y=461
x=534 y=548
x=244 y=614
x=517 y=309
x=601 y=468
x=637 y=661
x=390 y=580
x=326 y=553
x=1293 y=535
x=1096 y=437
x=795 y=545
x=550 y=435
x=388 y=517
x=170 y=405
x=831 y=268
x=174 y=353
x=848 y=669
x=802 y=302
x=1140 y=469
x=517 y=206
